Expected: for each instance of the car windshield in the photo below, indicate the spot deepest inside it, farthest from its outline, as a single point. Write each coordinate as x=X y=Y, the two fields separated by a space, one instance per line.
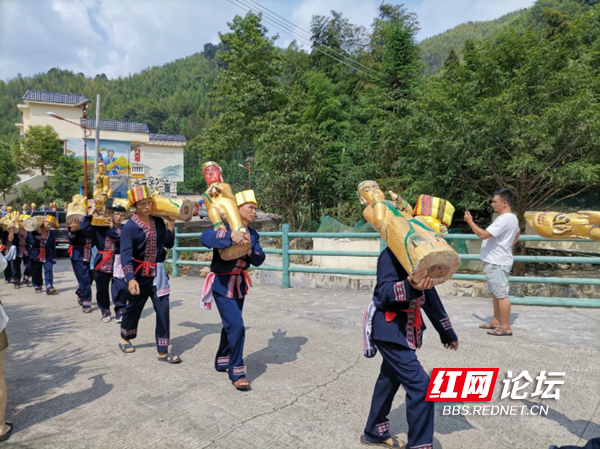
x=61 y=215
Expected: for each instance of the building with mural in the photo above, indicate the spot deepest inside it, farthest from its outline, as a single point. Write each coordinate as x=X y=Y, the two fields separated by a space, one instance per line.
x=132 y=154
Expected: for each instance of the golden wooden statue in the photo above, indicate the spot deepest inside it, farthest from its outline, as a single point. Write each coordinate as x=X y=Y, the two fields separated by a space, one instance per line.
x=222 y=208
x=32 y=224
x=10 y=221
x=101 y=195
x=421 y=251
x=557 y=225
x=174 y=209
x=76 y=209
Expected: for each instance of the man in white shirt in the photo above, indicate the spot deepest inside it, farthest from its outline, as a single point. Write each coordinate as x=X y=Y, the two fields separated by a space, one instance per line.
x=496 y=254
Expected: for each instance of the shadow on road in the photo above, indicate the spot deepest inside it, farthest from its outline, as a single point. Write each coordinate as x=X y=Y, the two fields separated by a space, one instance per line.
x=31 y=375
x=577 y=427
x=280 y=350
x=42 y=411
x=444 y=425
x=186 y=342
x=513 y=318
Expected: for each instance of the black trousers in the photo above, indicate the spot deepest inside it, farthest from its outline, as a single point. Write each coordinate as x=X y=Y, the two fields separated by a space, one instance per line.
x=36 y=269
x=16 y=269
x=103 y=290
x=8 y=272
x=133 y=312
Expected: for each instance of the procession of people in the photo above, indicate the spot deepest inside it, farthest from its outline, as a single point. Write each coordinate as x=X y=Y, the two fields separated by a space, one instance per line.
x=126 y=261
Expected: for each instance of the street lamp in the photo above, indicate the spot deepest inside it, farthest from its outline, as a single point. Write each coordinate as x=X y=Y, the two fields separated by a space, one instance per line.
x=86 y=133
x=249 y=168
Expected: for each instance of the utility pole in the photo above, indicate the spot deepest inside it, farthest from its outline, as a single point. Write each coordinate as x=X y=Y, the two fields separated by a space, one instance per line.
x=97 y=134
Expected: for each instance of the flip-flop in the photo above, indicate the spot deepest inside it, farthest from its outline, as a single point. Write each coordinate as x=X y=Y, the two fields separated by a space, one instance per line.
x=170 y=358
x=241 y=387
x=487 y=326
x=7 y=435
x=124 y=348
x=395 y=442
x=499 y=332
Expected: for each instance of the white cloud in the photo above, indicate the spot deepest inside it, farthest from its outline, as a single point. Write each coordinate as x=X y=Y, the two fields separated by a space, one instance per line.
x=119 y=37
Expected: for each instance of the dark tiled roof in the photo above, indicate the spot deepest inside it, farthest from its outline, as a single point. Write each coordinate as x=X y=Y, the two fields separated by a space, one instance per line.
x=174 y=137
x=117 y=125
x=53 y=97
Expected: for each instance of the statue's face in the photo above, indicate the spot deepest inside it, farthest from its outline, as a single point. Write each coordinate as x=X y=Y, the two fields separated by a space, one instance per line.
x=371 y=192
x=101 y=169
x=212 y=174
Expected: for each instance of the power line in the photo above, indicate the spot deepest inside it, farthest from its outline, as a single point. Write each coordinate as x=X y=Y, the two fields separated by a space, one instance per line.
x=309 y=35
x=277 y=25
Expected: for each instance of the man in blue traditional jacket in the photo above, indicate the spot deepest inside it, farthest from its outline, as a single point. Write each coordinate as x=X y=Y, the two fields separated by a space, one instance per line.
x=80 y=253
x=107 y=240
x=143 y=242
x=43 y=257
x=19 y=240
x=230 y=283
x=393 y=325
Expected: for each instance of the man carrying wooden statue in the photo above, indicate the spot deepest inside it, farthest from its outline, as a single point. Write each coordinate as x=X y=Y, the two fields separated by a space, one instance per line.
x=235 y=246
x=416 y=258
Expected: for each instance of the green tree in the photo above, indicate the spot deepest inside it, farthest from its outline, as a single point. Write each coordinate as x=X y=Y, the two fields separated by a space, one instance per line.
x=520 y=113
x=289 y=163
x=40 y=149
x=68 y=175
x=8 y=170
x=248 y=89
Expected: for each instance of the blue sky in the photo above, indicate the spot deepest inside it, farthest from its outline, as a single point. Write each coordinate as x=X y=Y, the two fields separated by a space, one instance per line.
x=122 y=37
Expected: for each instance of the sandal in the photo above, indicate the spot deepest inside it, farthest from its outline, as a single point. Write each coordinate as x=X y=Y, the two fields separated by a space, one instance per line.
x=499 y=332
x=87 y=310
x=7 y=435
x=124 y=348
x=390 y=442
x=79 y=301
x=170 y=358
x=487 y=326
x=241 y=384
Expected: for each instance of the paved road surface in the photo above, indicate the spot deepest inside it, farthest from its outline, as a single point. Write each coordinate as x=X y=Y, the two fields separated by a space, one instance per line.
x=70 y=386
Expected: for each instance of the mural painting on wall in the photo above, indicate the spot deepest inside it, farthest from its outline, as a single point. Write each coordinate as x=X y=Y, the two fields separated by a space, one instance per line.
x=114 y=153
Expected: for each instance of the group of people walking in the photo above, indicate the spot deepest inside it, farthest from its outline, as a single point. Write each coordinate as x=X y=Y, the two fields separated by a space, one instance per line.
x=129 y=267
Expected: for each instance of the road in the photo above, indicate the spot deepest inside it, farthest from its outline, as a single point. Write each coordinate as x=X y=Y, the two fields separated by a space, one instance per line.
x=71 y=387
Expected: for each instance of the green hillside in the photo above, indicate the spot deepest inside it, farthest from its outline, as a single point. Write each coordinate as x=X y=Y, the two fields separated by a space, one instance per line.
x=435 y=49
x=171 y=99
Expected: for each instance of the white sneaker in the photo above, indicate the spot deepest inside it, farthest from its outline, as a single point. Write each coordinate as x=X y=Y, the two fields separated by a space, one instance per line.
x=119 y=319
x=106 y=319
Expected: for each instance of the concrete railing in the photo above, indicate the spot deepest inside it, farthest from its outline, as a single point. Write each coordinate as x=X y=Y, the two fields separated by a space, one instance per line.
x=285 y=268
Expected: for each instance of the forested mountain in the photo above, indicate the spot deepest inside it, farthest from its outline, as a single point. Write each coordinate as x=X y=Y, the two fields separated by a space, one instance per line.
x=172 y=98
x=434 y=50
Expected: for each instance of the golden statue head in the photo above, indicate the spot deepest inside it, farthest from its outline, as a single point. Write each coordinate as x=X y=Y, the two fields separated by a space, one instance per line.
x=101 y=168
x=369 y=192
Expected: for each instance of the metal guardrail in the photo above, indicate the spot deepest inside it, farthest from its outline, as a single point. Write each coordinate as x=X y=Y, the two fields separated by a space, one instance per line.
x=286 y=269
